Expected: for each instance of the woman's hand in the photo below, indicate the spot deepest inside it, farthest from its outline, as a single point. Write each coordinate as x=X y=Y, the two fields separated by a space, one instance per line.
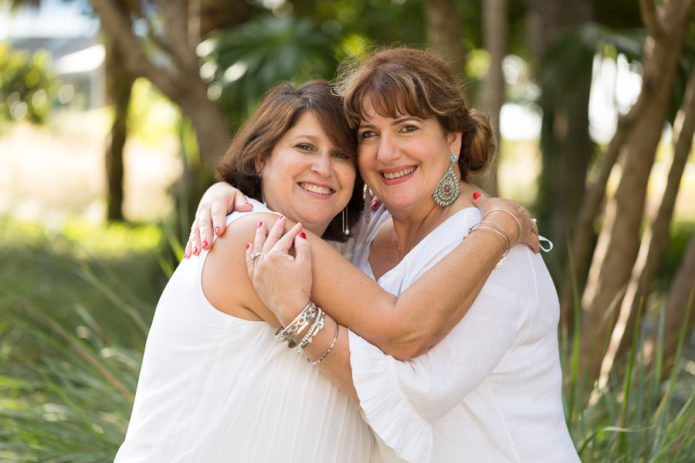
x=516 y=221
x=282 y=280
x=217 y=201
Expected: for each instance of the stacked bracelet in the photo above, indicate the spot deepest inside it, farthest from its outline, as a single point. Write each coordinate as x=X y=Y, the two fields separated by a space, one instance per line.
x=309 y=321
x=485 y=225
x=518 y=223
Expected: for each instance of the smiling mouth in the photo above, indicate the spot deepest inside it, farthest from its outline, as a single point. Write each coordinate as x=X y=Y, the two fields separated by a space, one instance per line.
x=313 y=188
x=398 y=174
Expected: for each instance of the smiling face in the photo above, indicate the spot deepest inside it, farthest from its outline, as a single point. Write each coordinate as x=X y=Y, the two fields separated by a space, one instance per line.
x=402 y=159
x=307 y=178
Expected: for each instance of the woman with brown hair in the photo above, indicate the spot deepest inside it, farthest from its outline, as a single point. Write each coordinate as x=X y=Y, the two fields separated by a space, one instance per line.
x=491 y=389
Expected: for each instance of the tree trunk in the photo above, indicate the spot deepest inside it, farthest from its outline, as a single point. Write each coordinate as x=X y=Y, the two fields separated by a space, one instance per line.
x=118 y=87
x=444 y=33
x=679 y=302
x=180 y=81
x=656 y=240
x=492 y=92
x=565 y=143
x=610 y=271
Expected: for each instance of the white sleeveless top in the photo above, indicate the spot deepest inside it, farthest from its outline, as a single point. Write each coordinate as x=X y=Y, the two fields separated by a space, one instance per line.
x=491 y=390
x=216 y=388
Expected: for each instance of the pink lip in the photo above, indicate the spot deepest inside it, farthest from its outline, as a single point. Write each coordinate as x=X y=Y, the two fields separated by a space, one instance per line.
x=317 y=195
x=395 y=181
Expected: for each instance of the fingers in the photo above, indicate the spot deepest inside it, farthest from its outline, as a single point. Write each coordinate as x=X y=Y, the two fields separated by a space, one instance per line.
x=260 y=238
x=302 y=248
x=284 y=244
x=274 y=234
x=204 y=225
x=241 y=203
x=193 y=246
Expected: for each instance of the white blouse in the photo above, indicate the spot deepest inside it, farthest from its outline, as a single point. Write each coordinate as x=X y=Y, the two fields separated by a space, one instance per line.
x=491 y=390
x=216 y=388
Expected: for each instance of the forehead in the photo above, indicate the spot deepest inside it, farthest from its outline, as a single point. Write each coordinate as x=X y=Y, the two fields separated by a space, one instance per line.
x=307 y=124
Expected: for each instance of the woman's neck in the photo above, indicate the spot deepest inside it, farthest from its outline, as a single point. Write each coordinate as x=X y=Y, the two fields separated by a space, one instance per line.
x=411 y=226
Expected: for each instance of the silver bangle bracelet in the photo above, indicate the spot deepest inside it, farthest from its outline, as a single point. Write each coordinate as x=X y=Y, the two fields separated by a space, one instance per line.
x=328 y=351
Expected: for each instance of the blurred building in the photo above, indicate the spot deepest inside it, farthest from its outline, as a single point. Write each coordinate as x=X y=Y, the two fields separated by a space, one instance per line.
x=78 y=62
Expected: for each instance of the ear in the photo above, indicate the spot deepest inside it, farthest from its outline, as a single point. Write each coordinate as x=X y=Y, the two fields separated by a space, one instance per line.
x=259 y=164
x=454 y=140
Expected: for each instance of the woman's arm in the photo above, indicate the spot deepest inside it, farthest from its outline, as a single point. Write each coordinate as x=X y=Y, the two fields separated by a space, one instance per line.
x=403 y=326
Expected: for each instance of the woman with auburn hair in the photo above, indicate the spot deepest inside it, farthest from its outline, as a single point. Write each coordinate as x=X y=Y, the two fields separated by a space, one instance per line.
x=215 y=384
x=490 y=391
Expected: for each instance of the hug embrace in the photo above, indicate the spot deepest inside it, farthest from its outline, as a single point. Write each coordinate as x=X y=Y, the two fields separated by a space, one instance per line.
x=412 y=320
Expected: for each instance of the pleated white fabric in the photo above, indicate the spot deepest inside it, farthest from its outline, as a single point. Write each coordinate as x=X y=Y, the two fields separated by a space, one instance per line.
x=215 y=388
x=491 y=390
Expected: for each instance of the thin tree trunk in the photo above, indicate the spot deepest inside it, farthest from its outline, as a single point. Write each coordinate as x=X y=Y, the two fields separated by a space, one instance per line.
x=618 y=242
x=118 y=88
x=492 y=92
x=656 y=240
x=565 y=143
x=444 y=33
x=680 y=300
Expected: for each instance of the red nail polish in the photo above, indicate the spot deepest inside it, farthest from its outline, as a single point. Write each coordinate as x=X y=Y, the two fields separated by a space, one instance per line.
x=195 y=251
x=260 y=224
x=217 y=230
x=476 y=195
x=205 y=244
x=375 y=205
x=302 y=235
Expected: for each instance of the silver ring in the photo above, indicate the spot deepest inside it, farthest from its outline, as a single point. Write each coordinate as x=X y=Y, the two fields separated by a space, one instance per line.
x=255 y=256
x=533 y=221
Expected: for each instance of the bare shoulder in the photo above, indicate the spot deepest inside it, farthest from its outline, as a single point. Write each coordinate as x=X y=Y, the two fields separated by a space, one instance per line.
x=225 y=280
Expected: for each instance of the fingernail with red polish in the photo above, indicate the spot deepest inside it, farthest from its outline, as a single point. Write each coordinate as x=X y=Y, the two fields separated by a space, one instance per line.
x=302 y=235
x=195 y=251
x=217 y=230
x=260 y=224
x=476 y=195
x=248 y=245
x=205 y=244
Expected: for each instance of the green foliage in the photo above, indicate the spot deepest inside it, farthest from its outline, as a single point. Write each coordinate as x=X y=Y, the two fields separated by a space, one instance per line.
x=245 y=62
x=636 y=416
x=74 y=314
x=27 y=88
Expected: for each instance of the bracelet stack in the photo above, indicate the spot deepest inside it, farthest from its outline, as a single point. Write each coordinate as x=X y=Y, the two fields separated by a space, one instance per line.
x=309 y=321
x=497 y=229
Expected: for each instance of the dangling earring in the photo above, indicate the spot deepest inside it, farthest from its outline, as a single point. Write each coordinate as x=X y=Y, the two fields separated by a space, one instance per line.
x=367 y=198
x=346 y=228
x=448 y=188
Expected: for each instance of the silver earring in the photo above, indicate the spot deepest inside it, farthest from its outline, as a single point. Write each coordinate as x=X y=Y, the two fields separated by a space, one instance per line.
x=367 y=198
x=448 y=188
x=346 y=228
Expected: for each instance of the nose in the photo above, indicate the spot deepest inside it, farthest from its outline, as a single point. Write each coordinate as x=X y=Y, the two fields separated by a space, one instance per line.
x=322 y=165
x=386 y=150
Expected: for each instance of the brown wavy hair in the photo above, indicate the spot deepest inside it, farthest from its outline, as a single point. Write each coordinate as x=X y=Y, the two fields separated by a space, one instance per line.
x=401 y=81
x=279 y=112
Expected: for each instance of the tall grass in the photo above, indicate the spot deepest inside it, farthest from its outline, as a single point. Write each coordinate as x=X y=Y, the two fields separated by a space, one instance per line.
x=73 y=321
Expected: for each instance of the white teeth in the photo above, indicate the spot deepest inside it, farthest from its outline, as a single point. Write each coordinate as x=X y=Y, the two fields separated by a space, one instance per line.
x=316 y=189
x=399 y=174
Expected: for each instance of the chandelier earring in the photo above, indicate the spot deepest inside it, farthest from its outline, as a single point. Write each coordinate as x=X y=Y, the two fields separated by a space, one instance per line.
x=448 y=189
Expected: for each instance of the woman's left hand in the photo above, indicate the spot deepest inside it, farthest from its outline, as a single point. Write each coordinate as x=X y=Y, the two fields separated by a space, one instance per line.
x=282 y=280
